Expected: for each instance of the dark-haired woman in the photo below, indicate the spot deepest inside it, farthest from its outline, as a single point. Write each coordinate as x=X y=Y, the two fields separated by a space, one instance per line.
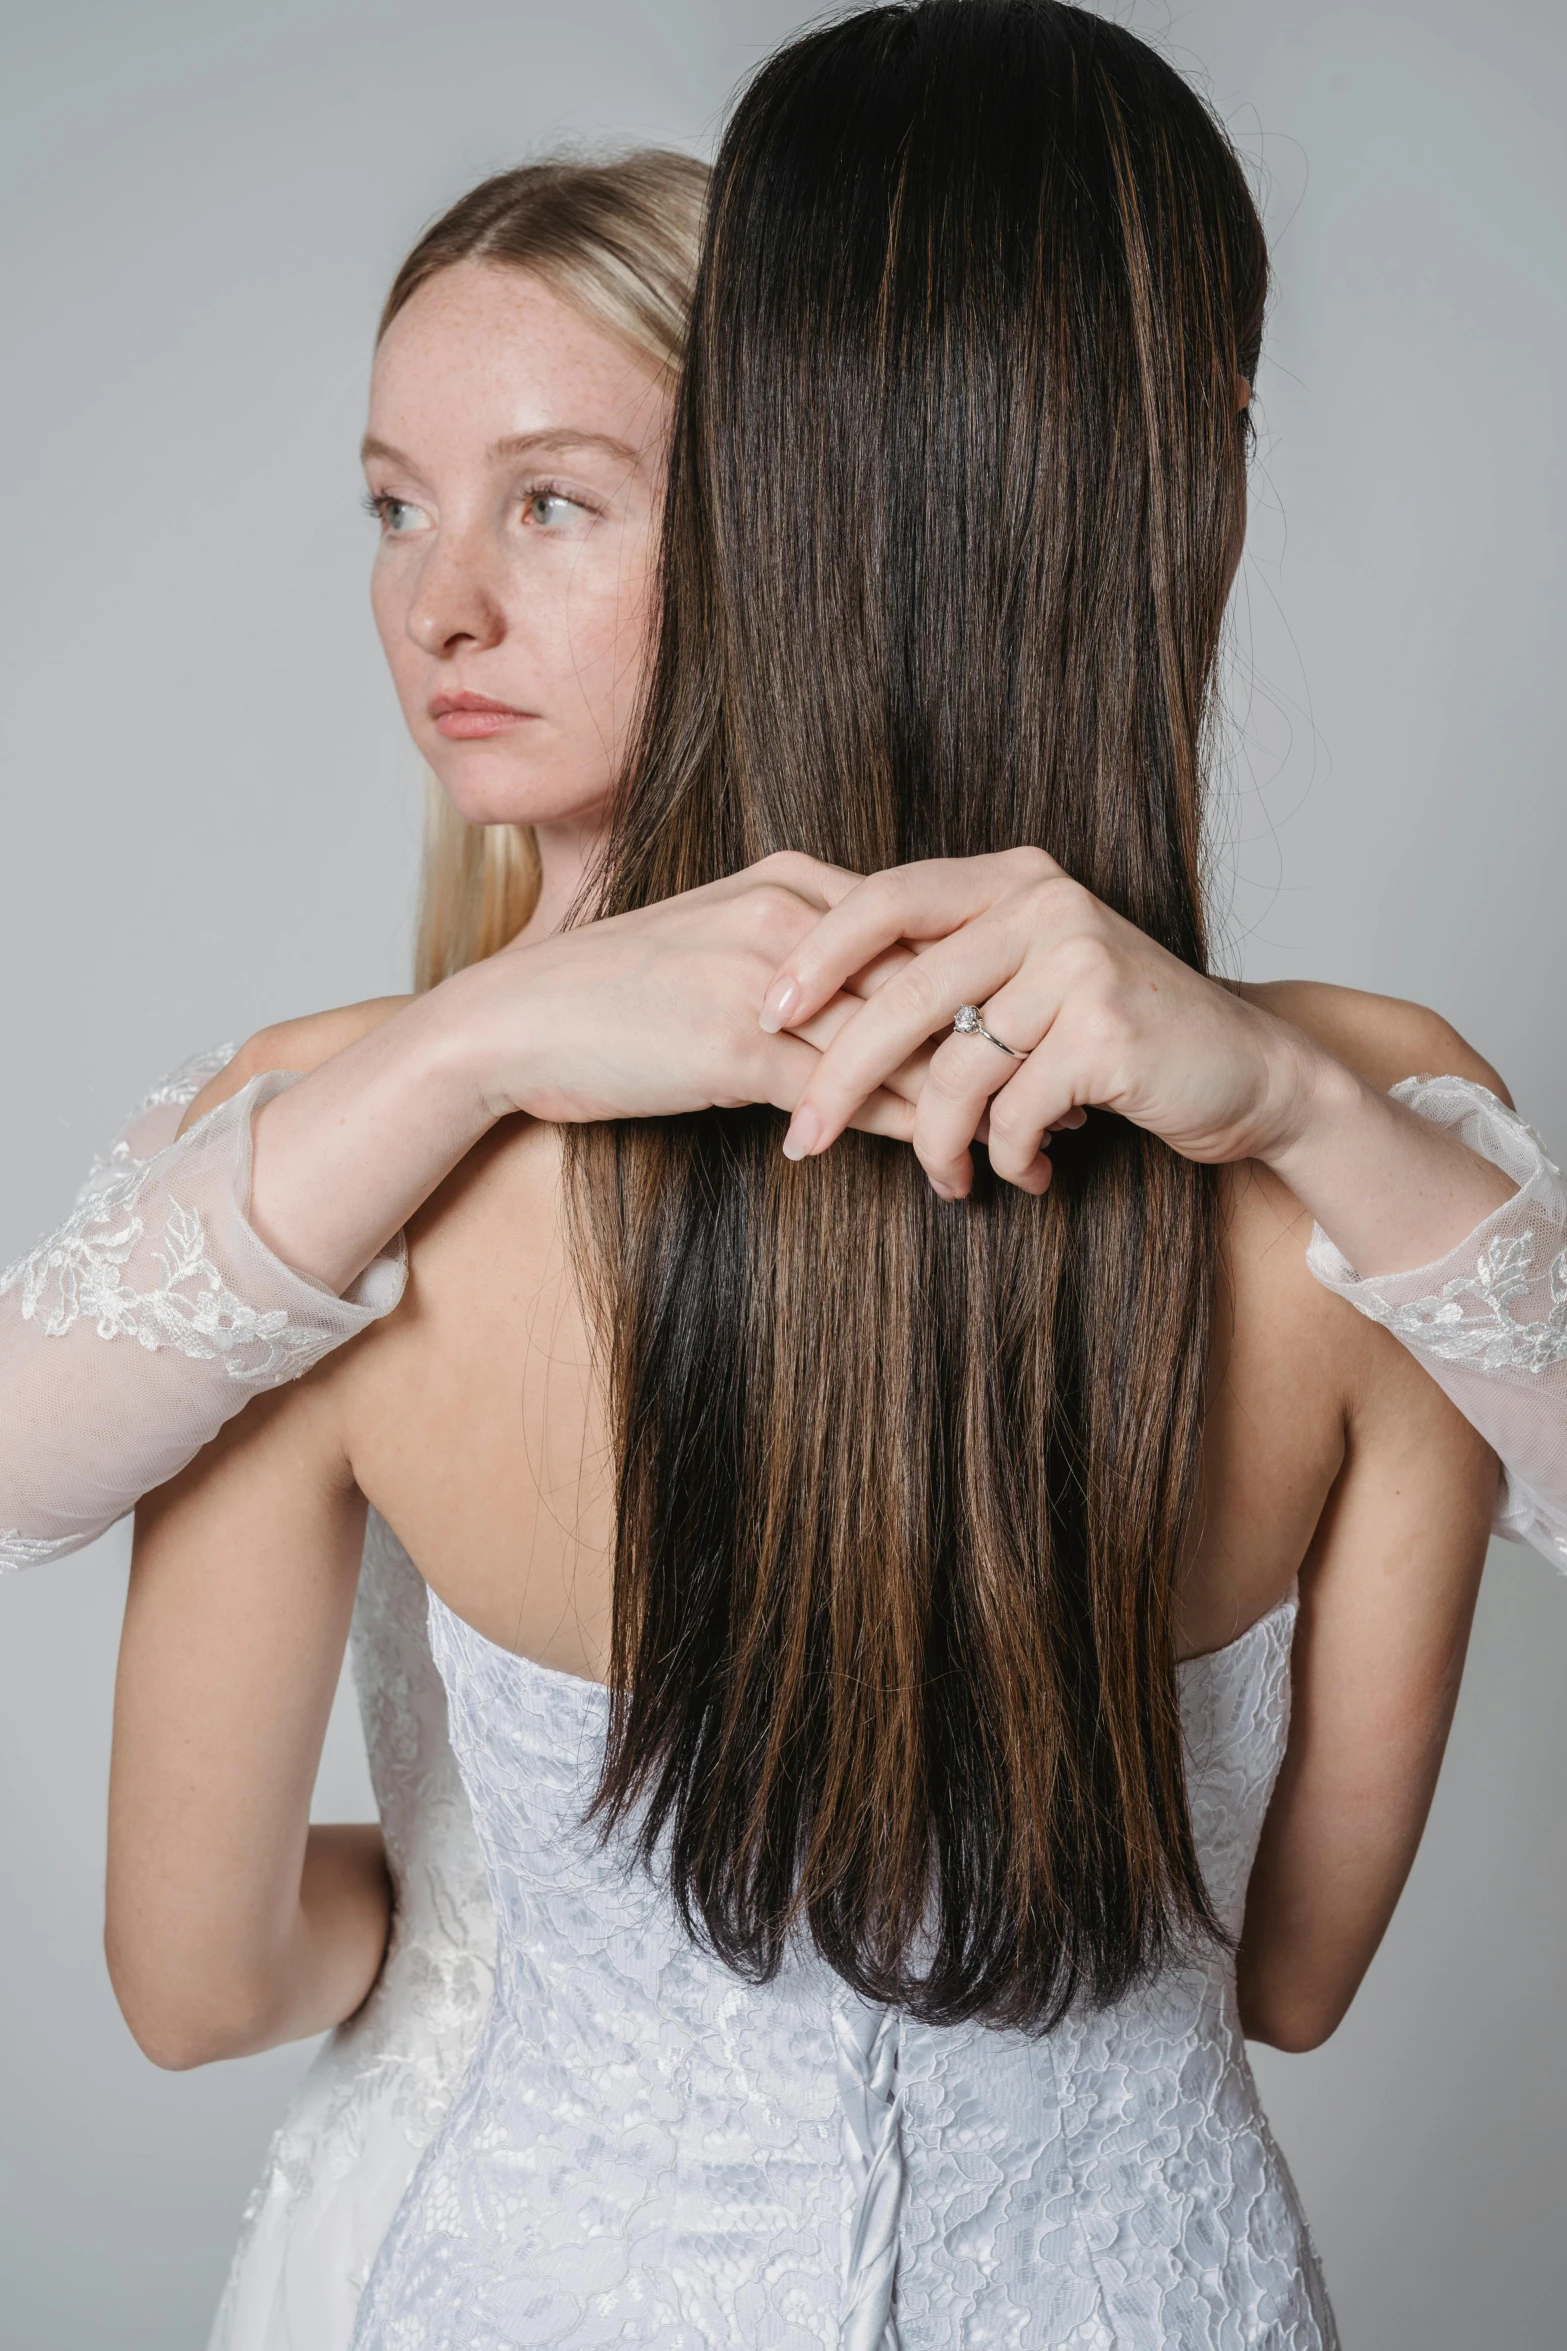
x=870 y=1661
x=1233 y=1106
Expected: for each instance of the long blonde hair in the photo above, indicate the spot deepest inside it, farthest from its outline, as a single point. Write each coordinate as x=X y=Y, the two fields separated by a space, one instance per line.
x=620 y=240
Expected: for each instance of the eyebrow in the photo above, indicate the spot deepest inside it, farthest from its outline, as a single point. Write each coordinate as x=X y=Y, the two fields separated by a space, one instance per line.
x=552 y=443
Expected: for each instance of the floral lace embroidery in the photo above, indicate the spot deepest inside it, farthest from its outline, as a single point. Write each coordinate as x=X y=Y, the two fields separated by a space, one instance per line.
x=18 y=1550
x=1445 y=1325
x=76 y=1271
x=180 y=1088
x=383 y=2082
x=648 y=2150
x=175 y=1092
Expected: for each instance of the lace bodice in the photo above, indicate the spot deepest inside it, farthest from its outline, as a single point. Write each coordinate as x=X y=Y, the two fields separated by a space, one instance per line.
x=150 y=1315
x=650 y=2151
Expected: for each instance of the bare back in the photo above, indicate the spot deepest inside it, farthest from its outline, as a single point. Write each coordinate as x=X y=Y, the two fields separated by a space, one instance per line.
x=473 y=1420
x=475 y=1423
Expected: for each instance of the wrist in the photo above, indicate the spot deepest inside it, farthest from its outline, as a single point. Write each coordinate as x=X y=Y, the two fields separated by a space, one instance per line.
x=1305 y=1095
x=342 y=1159
x=482 y=1045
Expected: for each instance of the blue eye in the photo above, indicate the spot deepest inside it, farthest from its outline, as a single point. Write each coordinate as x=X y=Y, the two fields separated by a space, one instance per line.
x=550 y=509
x=396 y=516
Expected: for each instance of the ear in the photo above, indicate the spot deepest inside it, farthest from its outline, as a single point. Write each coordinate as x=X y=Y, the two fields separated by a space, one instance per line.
x=1242 y=393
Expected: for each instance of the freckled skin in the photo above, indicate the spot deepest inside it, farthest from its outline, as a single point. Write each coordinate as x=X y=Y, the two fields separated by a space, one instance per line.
x=521 y=574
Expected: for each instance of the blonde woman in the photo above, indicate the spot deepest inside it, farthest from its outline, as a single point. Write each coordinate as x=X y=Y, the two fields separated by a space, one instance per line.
x=525 y=569
x=575 y=328
x=888 y=1544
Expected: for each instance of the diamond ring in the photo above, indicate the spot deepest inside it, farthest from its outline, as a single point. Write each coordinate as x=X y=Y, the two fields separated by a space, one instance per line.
x=967 y=1023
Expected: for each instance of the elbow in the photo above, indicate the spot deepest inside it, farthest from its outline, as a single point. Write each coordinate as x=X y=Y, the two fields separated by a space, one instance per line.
x=1290 y=2010
x=181 y=2017
x=171 y=2044
x=1295 y=2027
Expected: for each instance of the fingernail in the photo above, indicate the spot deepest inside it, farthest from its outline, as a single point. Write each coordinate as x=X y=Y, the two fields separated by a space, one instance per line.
x=942 y=1191
x=779 y=1001
x=804 y=1134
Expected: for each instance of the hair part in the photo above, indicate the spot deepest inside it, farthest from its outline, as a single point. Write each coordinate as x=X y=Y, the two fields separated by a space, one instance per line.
x=619 y=240
x=904 y=1488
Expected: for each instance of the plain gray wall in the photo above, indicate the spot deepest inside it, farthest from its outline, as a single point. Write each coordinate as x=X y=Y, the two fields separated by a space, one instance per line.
x=209 y=821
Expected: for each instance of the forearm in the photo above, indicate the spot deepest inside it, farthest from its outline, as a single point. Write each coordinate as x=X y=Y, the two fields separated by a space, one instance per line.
x=1390 y=1190
x=229 y=1988
x=320 y=1960
x=147 y=1319
x=344 y=1158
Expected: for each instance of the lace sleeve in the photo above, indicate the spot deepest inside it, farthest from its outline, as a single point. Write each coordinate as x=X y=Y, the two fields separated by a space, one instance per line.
x=132 y=1332
x=1489 y=1322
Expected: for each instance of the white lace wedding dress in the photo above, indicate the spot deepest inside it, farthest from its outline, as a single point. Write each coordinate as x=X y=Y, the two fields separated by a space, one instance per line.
x=157 y=1258
x=131 y=1333
x=649 y=2151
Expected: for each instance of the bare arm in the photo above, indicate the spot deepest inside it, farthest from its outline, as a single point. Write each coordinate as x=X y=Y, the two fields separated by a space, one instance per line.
x=232 y=1924
x=232 y=1260
x=640 y=1016
x=1387 y=1596
x=1392 y=1190
x=1096 y=1014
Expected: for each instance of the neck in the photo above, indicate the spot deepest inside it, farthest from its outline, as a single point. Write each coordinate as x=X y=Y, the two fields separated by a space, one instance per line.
x=566 y=850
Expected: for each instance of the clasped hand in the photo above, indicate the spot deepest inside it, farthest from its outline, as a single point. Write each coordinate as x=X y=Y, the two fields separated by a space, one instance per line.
x=832 y=996
x=1096 y=1015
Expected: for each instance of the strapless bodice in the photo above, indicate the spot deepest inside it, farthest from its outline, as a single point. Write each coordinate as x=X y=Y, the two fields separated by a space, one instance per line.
x=648 y=2150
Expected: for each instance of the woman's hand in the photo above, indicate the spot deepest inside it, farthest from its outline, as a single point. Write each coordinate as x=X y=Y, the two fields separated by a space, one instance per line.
x=1097 y=1014
x=655 y=1012
x=1102 y=1017
x=641 y=1016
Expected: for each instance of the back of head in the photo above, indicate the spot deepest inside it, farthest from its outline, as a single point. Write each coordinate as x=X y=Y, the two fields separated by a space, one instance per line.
x=957 y=488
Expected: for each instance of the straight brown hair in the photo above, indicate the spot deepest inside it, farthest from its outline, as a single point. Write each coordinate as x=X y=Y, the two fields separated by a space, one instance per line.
x=904 y=1488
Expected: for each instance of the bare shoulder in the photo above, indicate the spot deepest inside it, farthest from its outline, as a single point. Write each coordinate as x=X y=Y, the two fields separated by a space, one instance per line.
x=1300 y=1389
x=480 y=1250
x=301 y=1045
x=1384 y=1039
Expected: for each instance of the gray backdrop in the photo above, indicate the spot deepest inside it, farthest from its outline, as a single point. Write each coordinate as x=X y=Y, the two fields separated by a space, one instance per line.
x=209 y=822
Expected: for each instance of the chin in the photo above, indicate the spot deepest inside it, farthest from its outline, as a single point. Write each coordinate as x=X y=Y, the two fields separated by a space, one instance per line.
x=485 y=789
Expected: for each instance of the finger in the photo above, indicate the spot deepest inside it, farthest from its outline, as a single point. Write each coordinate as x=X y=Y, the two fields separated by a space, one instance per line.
x=975 y=1093
x=906 y=1080
x=809 y=877
x=779 y=1076
x=923 y=901
x=1033 y=1105
x=1037 y=1178
x=954 y=1103
x=885 y=1114
x=914 y=1005
x=872 y=975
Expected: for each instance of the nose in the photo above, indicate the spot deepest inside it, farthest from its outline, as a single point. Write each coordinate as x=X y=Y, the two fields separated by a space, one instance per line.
x=455 y=604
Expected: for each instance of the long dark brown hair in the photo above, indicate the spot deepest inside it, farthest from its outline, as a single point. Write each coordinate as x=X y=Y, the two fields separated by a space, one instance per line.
x=904 y=1488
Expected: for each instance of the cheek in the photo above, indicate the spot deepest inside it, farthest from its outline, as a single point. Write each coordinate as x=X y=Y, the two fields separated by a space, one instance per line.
x=389 y=593
x=603 y=634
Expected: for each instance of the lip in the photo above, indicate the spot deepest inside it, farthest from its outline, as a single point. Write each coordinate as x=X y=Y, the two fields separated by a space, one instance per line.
x=462 y=718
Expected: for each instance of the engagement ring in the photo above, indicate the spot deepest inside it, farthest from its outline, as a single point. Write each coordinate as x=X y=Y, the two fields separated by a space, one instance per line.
x=967 y=1023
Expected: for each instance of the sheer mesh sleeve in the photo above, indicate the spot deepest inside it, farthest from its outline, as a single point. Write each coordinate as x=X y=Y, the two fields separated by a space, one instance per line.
x=1489 y=1322
x=149 y=1317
